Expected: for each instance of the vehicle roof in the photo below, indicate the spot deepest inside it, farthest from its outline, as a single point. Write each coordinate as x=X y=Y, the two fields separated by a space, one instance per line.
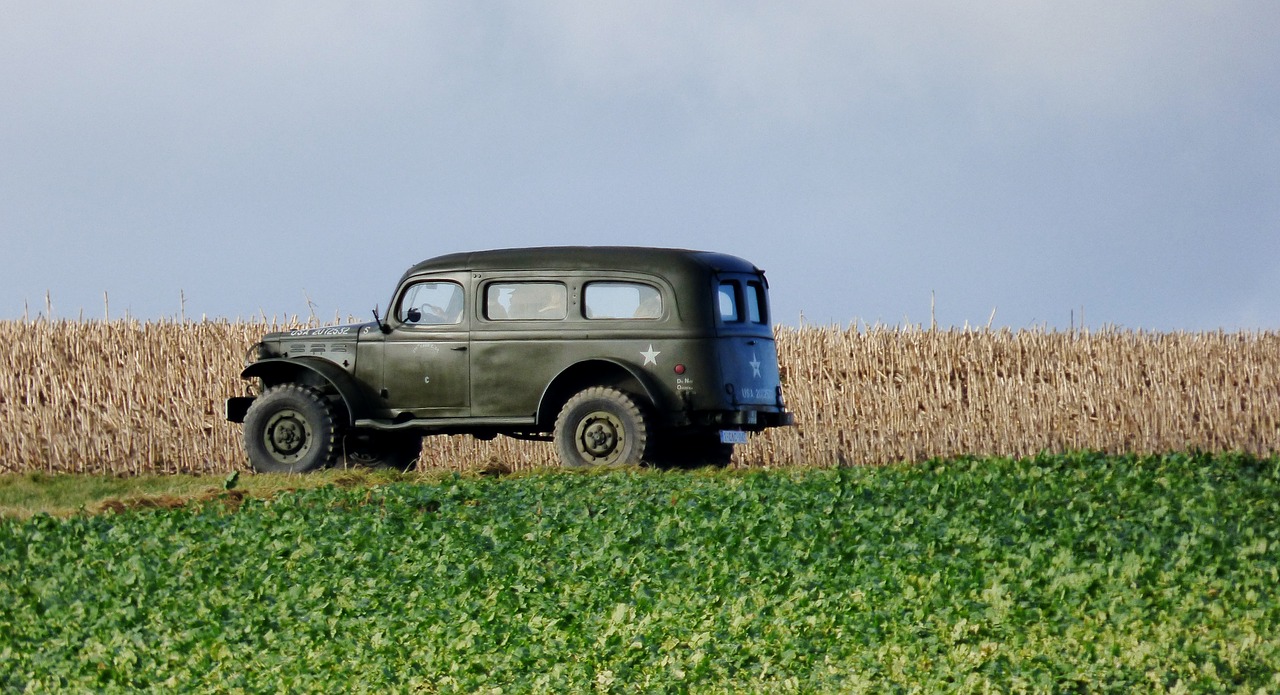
x=661 y=261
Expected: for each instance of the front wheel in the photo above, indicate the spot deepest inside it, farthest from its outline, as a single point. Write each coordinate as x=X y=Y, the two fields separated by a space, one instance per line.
x=601 y=426
x=290 y=428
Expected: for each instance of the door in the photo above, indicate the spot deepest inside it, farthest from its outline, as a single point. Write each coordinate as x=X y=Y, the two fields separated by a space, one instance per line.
x=748 y=355
x=427 y=361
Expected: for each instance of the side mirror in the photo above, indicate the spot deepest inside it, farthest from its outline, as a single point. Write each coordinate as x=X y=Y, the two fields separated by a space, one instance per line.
x=414 y=315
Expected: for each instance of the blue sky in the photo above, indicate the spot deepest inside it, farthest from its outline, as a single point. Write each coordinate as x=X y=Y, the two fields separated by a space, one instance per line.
x=1041 y=161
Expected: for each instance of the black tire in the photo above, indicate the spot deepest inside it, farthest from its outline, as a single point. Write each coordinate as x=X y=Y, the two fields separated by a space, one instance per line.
x=601 y=426
x=693 y=450
x=382 y=450
x=290 y=428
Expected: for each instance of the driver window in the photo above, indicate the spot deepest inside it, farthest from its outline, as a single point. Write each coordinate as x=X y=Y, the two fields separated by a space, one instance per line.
x=431 y=303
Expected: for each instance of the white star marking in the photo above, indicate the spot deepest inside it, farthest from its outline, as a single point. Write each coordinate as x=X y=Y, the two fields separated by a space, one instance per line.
x=650 y=356
x=755 y=365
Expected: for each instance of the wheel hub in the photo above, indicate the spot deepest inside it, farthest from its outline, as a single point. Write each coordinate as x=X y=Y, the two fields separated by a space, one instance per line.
x=599 y=435
x=287 y=436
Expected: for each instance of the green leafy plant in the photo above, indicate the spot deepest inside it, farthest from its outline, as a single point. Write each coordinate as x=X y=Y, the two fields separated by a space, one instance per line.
x=1078 y=572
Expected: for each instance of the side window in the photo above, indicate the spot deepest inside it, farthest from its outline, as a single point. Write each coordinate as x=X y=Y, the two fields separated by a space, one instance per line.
x=757 y=307
x=525 y=301
x=621 y=300
x=729 y=302
x=431 y=303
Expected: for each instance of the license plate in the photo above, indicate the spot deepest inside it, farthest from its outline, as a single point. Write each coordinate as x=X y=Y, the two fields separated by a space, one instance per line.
x=733 y=437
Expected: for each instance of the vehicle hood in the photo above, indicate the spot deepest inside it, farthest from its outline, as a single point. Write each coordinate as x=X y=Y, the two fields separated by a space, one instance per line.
x=345 y=333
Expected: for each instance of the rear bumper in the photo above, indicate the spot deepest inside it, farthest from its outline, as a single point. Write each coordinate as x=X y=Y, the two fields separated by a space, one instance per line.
x=752 y=419
x=781 y=419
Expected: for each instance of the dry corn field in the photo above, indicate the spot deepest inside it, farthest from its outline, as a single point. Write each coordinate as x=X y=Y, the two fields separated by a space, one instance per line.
x=129 y=397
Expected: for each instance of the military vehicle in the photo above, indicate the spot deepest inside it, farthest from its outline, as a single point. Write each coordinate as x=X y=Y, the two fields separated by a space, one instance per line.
x=619 y=355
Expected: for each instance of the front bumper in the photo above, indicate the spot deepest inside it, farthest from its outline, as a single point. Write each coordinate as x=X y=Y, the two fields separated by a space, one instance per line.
x=237 y=407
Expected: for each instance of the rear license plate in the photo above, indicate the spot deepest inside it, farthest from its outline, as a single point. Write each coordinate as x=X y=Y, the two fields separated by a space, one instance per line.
x=733 y=437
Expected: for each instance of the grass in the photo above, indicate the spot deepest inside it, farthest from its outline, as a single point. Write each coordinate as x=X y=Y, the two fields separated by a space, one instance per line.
x=23 y=495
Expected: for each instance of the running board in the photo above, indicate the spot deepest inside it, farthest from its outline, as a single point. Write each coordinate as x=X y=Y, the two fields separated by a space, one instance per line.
x=460 y=424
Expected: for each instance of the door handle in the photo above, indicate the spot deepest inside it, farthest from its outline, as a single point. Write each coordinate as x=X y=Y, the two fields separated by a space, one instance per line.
x=459 y=348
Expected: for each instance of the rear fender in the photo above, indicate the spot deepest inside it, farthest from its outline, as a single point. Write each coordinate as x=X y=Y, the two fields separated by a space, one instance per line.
x=321 y=374
x=599 y=372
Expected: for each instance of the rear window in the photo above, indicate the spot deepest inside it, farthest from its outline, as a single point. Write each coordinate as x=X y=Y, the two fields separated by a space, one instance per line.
x=621 y=300
x=743 y=301
x=757 y=310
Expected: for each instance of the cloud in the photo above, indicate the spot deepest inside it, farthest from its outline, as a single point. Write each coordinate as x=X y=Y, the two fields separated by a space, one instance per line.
x=1031 y=156
x=803 y=61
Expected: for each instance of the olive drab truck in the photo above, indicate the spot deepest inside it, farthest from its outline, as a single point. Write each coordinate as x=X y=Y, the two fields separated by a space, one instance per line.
x=618 y=355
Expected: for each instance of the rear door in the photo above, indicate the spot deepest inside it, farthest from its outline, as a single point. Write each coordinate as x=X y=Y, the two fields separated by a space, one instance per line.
x=748 y=355
x=522 y=341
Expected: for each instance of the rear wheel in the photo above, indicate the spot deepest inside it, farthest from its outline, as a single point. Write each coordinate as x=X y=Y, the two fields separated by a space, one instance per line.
x=290 y=428
x=601 y=426
x=382 y=450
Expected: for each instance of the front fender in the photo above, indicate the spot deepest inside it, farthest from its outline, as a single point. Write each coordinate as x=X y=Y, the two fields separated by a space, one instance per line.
x=320 y=373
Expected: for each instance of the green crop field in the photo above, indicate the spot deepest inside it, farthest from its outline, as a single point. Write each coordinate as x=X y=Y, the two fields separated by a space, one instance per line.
x=1068 y=573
